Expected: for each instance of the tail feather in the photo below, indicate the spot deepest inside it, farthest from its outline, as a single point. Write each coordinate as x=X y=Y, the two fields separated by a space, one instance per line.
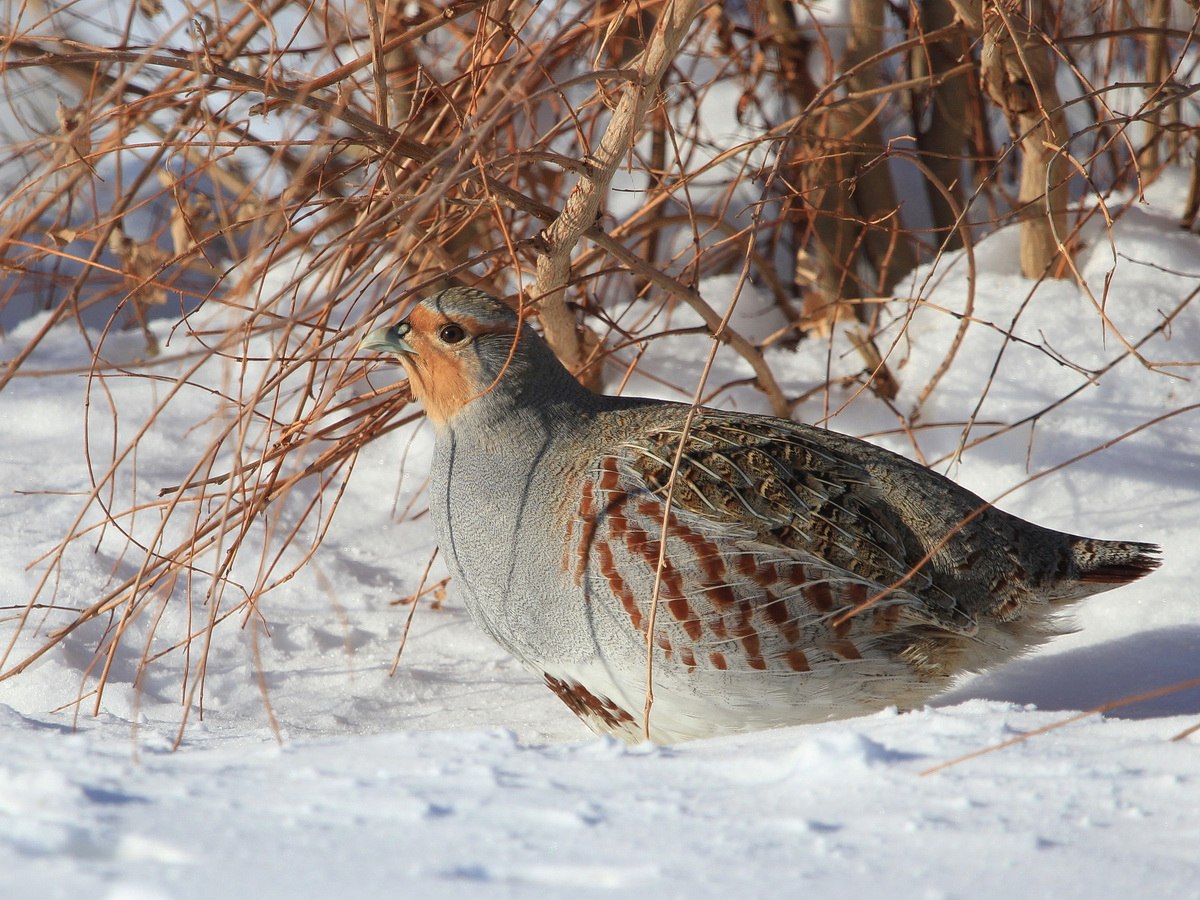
x=1113 y=562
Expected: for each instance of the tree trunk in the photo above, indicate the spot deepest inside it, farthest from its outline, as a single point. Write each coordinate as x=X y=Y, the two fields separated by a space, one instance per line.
x=943 y=139
x=834 y=191
x=1157 y=72
x=1018 y=73
x=874 y=196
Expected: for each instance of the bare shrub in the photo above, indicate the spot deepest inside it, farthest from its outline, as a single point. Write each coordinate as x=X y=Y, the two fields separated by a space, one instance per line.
x=268 y=177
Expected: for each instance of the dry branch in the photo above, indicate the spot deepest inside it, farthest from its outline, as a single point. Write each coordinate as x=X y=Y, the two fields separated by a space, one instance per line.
x=583 y=204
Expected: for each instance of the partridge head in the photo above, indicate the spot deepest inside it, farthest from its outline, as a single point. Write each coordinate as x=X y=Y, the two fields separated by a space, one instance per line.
x=767 y=573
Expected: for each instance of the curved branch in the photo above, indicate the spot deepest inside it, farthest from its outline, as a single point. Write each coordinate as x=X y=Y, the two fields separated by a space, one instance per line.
x=582 y=206
x=716 y=325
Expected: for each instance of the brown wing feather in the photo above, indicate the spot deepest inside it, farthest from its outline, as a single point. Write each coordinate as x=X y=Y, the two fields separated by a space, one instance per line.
x=759 y=568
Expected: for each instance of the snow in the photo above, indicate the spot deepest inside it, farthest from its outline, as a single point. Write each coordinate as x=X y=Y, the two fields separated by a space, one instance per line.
x=461 y=775
x=1100 y=810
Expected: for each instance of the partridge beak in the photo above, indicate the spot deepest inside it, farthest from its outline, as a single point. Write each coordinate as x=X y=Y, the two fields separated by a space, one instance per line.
x=389 y=340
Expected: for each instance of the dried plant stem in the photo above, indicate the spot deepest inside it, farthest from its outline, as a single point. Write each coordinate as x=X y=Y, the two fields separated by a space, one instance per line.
x=1142 y=697
x=717 y=324
x=583 y=203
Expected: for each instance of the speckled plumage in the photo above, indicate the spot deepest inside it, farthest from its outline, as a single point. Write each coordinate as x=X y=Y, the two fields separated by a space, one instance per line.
x=806 y=575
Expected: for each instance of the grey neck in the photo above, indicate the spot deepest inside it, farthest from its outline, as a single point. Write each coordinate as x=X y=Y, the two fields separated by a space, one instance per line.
x=529 y=403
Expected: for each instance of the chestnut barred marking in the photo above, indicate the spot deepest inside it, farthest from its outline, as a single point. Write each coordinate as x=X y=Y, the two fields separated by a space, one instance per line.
x=843 y=648
x=796 y=660
x=608 y=568
x=727 y=600
x=587 y=534
x=819 y=596
x=586 y=705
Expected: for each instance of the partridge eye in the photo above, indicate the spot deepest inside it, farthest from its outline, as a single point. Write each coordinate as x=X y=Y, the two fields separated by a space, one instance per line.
x=452 y=334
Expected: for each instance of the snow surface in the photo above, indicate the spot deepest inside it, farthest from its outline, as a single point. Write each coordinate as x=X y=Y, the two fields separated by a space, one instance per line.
x=462 y=776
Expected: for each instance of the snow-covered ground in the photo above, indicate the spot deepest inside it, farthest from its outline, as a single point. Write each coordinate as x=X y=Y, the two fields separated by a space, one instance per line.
x=462 y=775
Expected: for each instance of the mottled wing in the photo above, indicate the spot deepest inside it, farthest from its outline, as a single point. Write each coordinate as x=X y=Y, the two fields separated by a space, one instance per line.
x=770 y=538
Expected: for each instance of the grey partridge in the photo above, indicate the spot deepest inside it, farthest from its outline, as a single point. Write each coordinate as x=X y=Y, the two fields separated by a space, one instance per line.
x=805 y=575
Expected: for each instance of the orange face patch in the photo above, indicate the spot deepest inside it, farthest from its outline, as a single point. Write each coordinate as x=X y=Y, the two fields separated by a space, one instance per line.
x=444 y=378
